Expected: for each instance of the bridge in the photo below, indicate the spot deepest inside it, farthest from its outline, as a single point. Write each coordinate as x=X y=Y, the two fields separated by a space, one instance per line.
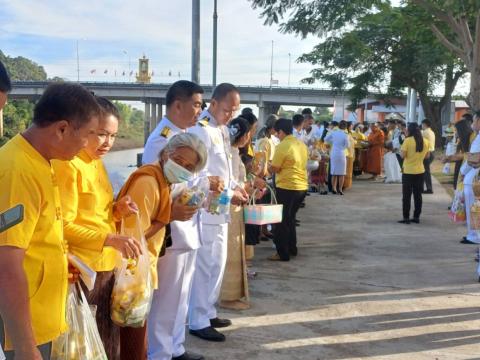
x=153 y=96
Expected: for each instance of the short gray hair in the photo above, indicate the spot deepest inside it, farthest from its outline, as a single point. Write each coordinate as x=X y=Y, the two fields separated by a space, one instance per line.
x=191 y=141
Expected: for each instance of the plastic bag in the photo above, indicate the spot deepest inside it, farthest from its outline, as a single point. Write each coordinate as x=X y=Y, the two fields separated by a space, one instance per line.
x=446 y=169
x=133 y=289
x=82 y=340
x=457 y=210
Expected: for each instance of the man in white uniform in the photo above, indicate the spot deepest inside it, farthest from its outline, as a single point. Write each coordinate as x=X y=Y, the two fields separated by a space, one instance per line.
x=167 y=318
x=470 y=172
x=212 y=256
x=297 y=122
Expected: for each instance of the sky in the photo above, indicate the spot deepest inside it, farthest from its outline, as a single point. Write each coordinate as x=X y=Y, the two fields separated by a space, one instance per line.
x=113 y=34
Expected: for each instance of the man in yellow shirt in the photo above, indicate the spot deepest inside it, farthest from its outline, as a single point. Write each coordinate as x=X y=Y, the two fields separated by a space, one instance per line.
x=290 y=166
x=429 y=135
x=33 y=261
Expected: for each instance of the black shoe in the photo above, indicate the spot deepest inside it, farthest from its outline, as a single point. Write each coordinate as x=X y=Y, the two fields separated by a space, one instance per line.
x=415 y=220
x=334 y=192
x=427 y=192
x=340 y=193
x=188 y=356
x=324 y=193
x=307 y=194
x=302 y=205
x=220 y=323
x=405 y=221
x=466 y=241
x=209 y=334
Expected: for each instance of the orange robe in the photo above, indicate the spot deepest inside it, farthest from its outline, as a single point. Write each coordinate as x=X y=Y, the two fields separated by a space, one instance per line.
x=375 y=152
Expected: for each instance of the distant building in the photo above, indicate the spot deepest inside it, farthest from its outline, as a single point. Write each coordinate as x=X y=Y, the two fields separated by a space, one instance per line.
x=143 y=75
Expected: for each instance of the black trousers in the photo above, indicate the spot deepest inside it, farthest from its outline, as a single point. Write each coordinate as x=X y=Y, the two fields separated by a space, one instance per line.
x=285 y=233
x=412 y=184
x=456 y=173
x=400 y=160
x=427 y=177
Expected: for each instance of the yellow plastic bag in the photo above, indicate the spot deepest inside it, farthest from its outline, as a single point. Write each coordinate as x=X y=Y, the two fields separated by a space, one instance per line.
x=82 y=340
x=133 y=290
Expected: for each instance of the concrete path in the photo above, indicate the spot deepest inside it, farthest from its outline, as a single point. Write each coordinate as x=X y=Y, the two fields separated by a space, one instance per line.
x=362 y=287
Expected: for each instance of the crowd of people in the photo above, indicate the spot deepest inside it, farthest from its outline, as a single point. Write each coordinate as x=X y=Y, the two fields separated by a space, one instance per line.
x=199 y=251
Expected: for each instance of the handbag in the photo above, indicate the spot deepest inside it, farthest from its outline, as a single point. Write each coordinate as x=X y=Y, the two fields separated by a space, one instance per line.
x=263 y=214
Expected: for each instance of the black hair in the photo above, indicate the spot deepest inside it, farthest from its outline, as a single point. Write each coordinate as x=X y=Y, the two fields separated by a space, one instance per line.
x=414 y=130
x=324 y=134
x=325 y=124
x=238 y=128
x=204 y=104
x=250 y=117
x=65 y=101
x=427 y=122
x=270 y=122
x=286 y=125
x=464 y=130
x=5 y=84
x=389 y=145
x=307 y=111
x=297 y=120
x=108 y=107
x=246 y=110
x=182 y=90
x=468 y=117
x=343 y=125
x=222 y=90
x=334 y=123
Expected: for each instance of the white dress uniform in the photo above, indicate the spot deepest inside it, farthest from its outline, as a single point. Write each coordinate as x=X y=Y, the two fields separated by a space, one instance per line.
x=300 y=135
x=167 y=318
x=338 y=158
x=469 y=174
x=212 y=256
x=2 y=355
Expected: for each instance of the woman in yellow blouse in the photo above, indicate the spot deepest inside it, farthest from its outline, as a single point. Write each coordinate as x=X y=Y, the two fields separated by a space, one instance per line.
x=149 y=187
x=89 y=215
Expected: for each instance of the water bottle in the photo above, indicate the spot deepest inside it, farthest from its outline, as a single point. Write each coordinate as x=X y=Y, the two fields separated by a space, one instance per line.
x=224 y=202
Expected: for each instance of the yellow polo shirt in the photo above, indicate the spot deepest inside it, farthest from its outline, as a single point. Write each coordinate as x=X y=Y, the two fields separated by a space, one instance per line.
x=430 y=136
x=87 y=207
x=413 y=160
x=291 y=157
x=27 y=178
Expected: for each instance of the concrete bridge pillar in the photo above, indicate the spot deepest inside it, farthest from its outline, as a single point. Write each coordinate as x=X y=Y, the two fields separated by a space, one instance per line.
x=148 y=116
x=266 y=109
x=159 y=111
x=153 y=118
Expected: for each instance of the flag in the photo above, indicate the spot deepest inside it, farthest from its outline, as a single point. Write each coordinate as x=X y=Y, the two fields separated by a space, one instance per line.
x=123 y=73
x=179 y=74
x=274 y=82
x=93 y=71
x=153 y=73
x=115 y=72
x=106 y=71
x=131 y=73
x=170 y=73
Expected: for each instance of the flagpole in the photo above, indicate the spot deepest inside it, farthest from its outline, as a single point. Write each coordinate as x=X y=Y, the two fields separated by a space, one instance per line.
x=78 y=65
x=271 y=68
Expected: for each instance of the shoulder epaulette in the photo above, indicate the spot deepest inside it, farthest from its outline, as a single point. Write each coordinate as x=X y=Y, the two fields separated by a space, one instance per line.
x=165 y=132
x=204 y=122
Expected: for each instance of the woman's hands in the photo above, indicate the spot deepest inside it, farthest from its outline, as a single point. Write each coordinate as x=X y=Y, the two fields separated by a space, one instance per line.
x=128 y=246
x=181 y=212
x=124 y=208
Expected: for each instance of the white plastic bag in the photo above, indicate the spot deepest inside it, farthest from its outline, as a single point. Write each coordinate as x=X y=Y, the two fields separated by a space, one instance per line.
x=133 y=289
x=82 y=340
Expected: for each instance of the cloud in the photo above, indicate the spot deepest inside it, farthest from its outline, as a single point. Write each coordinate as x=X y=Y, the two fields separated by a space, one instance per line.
x=48 y=30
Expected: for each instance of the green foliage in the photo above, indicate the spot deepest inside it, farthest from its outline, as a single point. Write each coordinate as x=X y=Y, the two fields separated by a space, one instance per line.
x=130 y=132
x=23 y=69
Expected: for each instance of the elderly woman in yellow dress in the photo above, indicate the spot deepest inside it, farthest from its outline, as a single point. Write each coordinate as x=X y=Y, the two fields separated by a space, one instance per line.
x=149 y=186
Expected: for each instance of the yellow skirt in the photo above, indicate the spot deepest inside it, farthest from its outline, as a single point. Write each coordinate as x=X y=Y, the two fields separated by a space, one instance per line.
x=235 y=282
x=349 y=174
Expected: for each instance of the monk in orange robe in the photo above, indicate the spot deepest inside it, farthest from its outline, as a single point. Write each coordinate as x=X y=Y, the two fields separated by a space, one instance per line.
x=375 y=152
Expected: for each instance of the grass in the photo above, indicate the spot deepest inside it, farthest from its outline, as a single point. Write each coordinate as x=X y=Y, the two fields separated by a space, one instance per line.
x=445 y=180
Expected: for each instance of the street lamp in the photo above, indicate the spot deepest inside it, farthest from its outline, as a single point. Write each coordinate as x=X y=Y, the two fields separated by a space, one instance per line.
x=129 y=65
x=78 y=60
x=289 y=67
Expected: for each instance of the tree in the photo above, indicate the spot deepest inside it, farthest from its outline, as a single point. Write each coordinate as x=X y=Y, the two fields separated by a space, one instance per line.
x=23 y=69
x=461 y=36
x=370 y=45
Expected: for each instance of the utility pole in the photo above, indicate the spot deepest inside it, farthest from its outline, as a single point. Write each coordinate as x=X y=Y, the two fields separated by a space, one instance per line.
x=215 y=19
x=289 y=67
x=196 y=41
x=271 y=68
x=78 y=65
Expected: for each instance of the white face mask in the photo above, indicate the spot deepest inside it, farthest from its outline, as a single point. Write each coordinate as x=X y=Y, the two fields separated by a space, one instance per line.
x=175 y=173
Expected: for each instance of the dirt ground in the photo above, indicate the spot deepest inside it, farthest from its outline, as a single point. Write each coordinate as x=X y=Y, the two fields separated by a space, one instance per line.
x=362 y=287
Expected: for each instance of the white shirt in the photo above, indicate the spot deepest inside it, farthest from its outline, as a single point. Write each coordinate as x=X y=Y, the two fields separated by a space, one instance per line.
x=2 y=355
x=219 y=162
x=158 y=139
x=300 y=135
x=185 y=234
x=339 y=140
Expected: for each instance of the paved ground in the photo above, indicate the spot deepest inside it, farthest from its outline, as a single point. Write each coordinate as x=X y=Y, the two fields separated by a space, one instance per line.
x=362 y=287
